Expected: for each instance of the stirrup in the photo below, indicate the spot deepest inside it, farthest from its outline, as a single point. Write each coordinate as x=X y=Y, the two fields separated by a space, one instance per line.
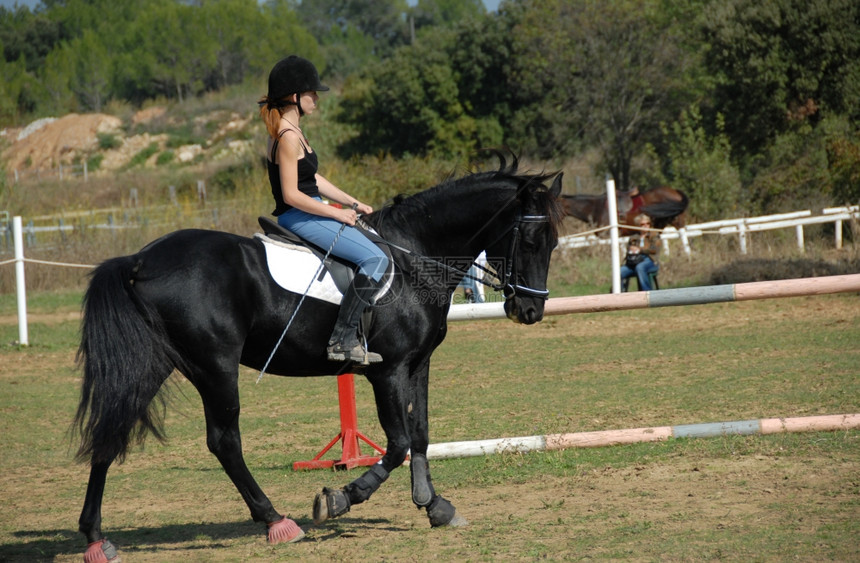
x=338 y=353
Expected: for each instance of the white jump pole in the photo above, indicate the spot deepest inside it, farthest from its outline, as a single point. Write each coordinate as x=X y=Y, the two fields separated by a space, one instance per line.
x=17 y=234
x=549 y=442
x=611 y=207
x=671 y=297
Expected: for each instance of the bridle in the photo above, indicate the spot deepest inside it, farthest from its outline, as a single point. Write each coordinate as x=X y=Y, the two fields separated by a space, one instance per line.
x=507 y=282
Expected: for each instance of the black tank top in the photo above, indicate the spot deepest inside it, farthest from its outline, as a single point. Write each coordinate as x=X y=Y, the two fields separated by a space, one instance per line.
x=307 y=169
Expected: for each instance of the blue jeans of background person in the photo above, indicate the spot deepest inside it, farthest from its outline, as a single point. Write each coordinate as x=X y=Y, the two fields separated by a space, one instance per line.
x=351 y=245
x=470 y=282
x=643 y=268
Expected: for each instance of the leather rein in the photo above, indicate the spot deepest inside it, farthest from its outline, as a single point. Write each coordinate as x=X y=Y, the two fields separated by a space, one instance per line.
x=510 y=271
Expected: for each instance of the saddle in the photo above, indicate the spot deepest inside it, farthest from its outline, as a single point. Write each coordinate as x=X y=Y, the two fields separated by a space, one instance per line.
x=625 y=203
x=341 y=271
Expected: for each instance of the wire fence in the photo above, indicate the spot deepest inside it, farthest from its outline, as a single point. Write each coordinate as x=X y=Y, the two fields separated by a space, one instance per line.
x=61 y=172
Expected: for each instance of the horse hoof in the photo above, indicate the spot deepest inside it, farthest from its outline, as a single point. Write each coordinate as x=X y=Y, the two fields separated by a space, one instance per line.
x=320 y=513
x=284 y=531
x=329 y=504
x=101 y=551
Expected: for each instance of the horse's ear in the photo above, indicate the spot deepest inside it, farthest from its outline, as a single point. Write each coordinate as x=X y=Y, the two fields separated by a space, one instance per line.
x=555 y=188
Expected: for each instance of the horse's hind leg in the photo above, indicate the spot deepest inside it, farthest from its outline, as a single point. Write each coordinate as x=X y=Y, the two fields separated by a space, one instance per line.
x=99 y=549
x=221 y=405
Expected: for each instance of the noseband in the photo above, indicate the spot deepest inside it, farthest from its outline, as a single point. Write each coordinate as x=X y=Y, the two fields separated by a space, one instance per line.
x=509 y=279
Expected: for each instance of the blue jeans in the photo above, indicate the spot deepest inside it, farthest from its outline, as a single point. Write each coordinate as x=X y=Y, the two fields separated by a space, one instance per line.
x=643 y=268
x=469 y=282
x=351 y=246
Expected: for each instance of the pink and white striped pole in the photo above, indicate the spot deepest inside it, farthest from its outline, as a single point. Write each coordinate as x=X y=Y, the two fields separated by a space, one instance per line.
x=637 y=435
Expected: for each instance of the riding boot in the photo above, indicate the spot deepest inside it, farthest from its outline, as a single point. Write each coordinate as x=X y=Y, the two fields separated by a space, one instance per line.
x=344 y=343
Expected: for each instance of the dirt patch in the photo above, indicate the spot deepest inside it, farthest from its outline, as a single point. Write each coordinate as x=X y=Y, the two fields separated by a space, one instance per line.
x=48 y=143
x=43 y=318
x=148 y=114
x=131 y=146
x=59 y=141
x=641 y=513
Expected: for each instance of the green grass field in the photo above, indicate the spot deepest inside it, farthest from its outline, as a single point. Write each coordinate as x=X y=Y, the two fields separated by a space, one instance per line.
x=738 y=498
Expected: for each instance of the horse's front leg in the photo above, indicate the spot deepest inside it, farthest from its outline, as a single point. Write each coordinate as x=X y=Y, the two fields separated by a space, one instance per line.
x=392 y=407
x=439 y=510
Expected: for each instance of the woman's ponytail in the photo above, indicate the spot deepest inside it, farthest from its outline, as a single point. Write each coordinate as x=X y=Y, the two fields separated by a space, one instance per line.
x=271 y=116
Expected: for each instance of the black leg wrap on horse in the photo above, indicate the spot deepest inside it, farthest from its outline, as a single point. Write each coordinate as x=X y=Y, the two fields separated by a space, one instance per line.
x=361 y=489
x=440 y=512
x=422 y=488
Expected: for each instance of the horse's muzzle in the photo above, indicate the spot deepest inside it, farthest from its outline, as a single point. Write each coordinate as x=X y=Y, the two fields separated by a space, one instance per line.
x=524 y=310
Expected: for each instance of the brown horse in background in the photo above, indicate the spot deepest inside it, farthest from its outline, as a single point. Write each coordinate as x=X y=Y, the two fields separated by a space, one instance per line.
x=664 y=205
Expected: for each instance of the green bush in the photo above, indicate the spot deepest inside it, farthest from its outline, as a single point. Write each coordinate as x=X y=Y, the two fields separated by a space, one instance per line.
x=108 y=141
x=165 y=157
x=143 y=155
x=182 y=136
x=701 y=167
x=792 y=174
x=843 y=154
x=227 y=180
x=94 y=162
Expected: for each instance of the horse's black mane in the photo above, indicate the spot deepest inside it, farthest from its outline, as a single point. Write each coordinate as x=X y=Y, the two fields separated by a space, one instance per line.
x=435 y=197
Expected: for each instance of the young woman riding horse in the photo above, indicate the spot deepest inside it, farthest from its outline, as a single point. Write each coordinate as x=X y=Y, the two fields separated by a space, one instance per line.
x=298 y=190
x=203 y=302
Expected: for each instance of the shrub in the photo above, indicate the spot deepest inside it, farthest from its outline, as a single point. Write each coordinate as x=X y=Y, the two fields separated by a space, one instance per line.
x=701 y=167
x=844 y=157
x=165 y=157
x=143 y=156
x=94 y=162
x=108 y=141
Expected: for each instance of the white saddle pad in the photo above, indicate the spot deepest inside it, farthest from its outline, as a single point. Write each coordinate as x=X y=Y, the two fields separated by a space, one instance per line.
x=293 y=268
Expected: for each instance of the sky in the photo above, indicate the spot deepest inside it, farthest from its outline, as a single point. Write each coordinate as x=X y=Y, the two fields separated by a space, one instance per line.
x=490 y=4
x=12 y=3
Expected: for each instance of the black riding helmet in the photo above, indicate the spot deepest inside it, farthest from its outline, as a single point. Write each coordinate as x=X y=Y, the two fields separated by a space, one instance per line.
x=292 y=75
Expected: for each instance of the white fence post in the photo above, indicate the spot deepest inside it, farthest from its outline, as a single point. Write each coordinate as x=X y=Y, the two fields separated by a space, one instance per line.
x=685 y=240
x=838 y=235
x=799 y=230
x=613 y=235
x=201 y=192
x=17 y=234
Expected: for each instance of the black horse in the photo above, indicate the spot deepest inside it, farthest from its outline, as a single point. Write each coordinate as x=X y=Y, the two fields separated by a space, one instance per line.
x=203 y=302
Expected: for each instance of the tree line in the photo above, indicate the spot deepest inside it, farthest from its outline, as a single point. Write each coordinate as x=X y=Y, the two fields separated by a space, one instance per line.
x=748 y=106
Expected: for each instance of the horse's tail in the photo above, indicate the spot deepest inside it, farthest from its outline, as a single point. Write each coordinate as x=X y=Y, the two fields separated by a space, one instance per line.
x=125 y=358
x=668 y=208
